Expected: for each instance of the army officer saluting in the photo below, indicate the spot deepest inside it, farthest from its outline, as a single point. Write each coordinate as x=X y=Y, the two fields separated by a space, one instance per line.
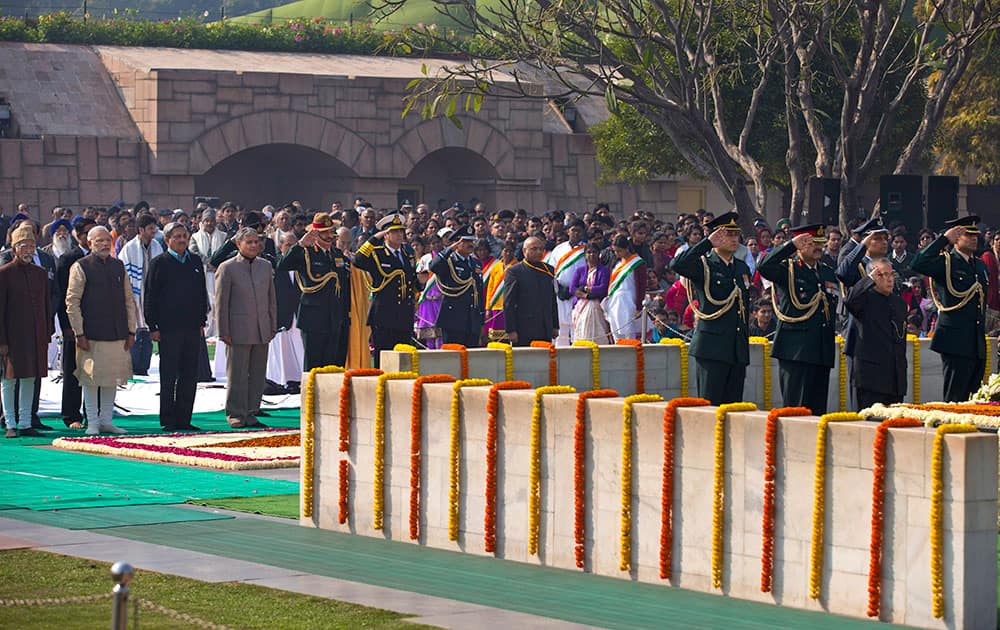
x=460 y=280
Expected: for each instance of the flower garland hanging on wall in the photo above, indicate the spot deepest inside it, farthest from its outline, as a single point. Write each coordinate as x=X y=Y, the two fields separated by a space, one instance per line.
x=625 y=547
x=454 y=451
x=915 y=385
x=416 y=441
x=344 y=437
x=553 y=367
x=937 y=511
x=667 y=493
x=508 y=358
x=770 y=470
x=378 y=497
x=718 y=485
x=765 y=344
x=492 y=407
x=309 y=437
x=580 y=472
x=595 y=361
x=819 y=499
x=989 y=362
x=535 y=478
x=640 y=363
x=683 y=347
x=841 y=375
x=414 y=355
x=463 y=356
x=878 y=509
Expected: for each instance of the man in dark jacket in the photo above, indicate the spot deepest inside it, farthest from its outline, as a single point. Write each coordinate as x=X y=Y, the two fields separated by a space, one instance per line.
x=460 y=280
x=72 y=392
x=960 y=334
x=529 y=303
x=176 y=310
x=880 y=356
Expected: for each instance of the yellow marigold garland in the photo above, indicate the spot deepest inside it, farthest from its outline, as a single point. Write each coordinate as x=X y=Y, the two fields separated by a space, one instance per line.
x=989 y=361
x=626 y=527
x=309 y=437
x=915 y=341
x=819 y=499
x=378 y=499
x=937 y=499
x=718 y=485
x=841 y=375
x=682 y=345
x=454 y=462
x=508 y=358
x=595 y=361
x=535 y=479
x=414 y=355
x=765 y=344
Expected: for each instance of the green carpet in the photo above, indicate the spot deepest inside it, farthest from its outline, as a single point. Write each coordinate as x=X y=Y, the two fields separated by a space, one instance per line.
x=283 y=505
x=118 y=516
x=555 y=593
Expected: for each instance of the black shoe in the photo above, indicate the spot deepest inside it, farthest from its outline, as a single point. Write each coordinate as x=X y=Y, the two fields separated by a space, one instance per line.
x=273 y=389
x=188 y=427
x=41 y=427
x=293 y=388
x=30 y=432
x=258 y=425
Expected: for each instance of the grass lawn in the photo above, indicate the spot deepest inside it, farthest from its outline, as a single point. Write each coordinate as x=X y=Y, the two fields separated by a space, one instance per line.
x=27 y=574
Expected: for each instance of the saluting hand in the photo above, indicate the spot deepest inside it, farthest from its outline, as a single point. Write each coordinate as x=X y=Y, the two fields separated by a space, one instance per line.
x=308 y=239
x=953 y=233
x=802 y=241
x=718 y=237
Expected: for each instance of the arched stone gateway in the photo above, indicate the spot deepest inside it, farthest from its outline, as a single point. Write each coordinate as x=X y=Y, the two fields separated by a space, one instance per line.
x=482 y=139
x=453 y=174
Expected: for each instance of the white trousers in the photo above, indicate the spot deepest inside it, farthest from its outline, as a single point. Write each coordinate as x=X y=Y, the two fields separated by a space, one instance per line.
x=18 y=413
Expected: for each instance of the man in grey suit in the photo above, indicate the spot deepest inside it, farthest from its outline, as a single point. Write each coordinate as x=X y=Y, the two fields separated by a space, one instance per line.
x=247 y=317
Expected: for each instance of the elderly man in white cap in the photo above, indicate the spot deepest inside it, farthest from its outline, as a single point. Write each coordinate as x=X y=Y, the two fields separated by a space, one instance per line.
x=101 y=311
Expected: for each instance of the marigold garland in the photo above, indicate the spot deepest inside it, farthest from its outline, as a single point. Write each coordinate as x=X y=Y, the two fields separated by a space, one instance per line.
x=841 y=376
x=595 y=361
x=915 y=341
x=770 y=470
x=414 y=355
x=719 y=484
x=416 y=441
x=683 y=347
x=454 y=462
x=937 y=510
x=463 y=355
x=989 y=361
x=492 y=406
x=878 y=509
x=508 y=358
x=667 y=494
x=535 y=478
x=640 y=363
x=765 y=344
x=345 y=435
x=309 y=437
x=819 y=499
x=343 y=486
x=626 y=513
x=553 y=368
x=378 y=498
x=580 y=472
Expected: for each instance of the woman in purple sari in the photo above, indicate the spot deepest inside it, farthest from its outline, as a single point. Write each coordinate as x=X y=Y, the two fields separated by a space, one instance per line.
x=589 y=285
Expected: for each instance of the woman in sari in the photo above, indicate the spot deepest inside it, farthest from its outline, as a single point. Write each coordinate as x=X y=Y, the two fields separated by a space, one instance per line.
x=589 y=285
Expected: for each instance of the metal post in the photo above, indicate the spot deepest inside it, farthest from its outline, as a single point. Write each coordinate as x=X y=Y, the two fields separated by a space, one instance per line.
x=121 y=573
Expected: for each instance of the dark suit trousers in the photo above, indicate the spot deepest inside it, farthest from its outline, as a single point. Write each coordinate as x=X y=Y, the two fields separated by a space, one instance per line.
x=468 y=338
x=179 y=351
x=72 y=393
x=719 y=382
x=804 y=385
x=868 y=398
x=321 y=349
x=962 y=376
x=387 y=338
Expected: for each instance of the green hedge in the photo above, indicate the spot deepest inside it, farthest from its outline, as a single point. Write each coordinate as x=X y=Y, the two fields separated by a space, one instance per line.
x=299 y=35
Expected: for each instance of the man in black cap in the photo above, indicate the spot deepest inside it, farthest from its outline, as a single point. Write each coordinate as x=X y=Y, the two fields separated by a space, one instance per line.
x=960 y=334
x=806 y=310
x=719 y=282
x=460 y=280
x=392 y=269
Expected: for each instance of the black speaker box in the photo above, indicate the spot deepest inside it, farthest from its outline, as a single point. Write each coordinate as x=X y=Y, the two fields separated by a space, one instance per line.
x=824 y=200
x=942 y=200
x=901 y=199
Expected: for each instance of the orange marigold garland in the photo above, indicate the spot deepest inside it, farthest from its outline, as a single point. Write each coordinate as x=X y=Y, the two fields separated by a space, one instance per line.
x=770 y=470
x=490 y=517
x=463 y=354
x=345 y=436
x=878 y=507
x=416 y=441
x=640 y=363
x=344 y=481
x=667 y=494
x=580 y=472
x=553 y=368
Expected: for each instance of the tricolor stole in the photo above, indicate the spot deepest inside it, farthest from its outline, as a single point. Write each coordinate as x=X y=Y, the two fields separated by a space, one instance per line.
x=623 y=270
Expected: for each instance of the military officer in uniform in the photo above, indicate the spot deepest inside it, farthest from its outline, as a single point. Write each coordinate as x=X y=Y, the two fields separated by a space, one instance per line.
x=392 y=269
x=805 y=301
x=460 y=280
x=960 y=335
x=718 y=281
x=324 y=276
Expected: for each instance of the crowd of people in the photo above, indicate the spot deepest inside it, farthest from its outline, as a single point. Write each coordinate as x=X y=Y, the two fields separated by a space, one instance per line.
x=286 y=289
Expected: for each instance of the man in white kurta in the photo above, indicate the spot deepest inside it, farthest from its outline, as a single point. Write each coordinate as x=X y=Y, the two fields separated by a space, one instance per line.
x=565 y=258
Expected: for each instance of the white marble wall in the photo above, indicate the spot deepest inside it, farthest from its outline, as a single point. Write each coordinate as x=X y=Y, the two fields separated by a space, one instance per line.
x=970 y=497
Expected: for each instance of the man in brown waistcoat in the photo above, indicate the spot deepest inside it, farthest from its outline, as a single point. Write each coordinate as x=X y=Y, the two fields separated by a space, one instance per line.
x=25 y=329
x=101 y=312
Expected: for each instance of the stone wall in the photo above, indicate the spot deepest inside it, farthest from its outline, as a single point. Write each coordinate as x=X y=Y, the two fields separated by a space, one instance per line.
x=970 y=497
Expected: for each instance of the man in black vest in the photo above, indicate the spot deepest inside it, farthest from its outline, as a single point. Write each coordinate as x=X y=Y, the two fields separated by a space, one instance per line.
x=393 y=274
x=960 y=334
x=460 y=280
x=529 y=303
